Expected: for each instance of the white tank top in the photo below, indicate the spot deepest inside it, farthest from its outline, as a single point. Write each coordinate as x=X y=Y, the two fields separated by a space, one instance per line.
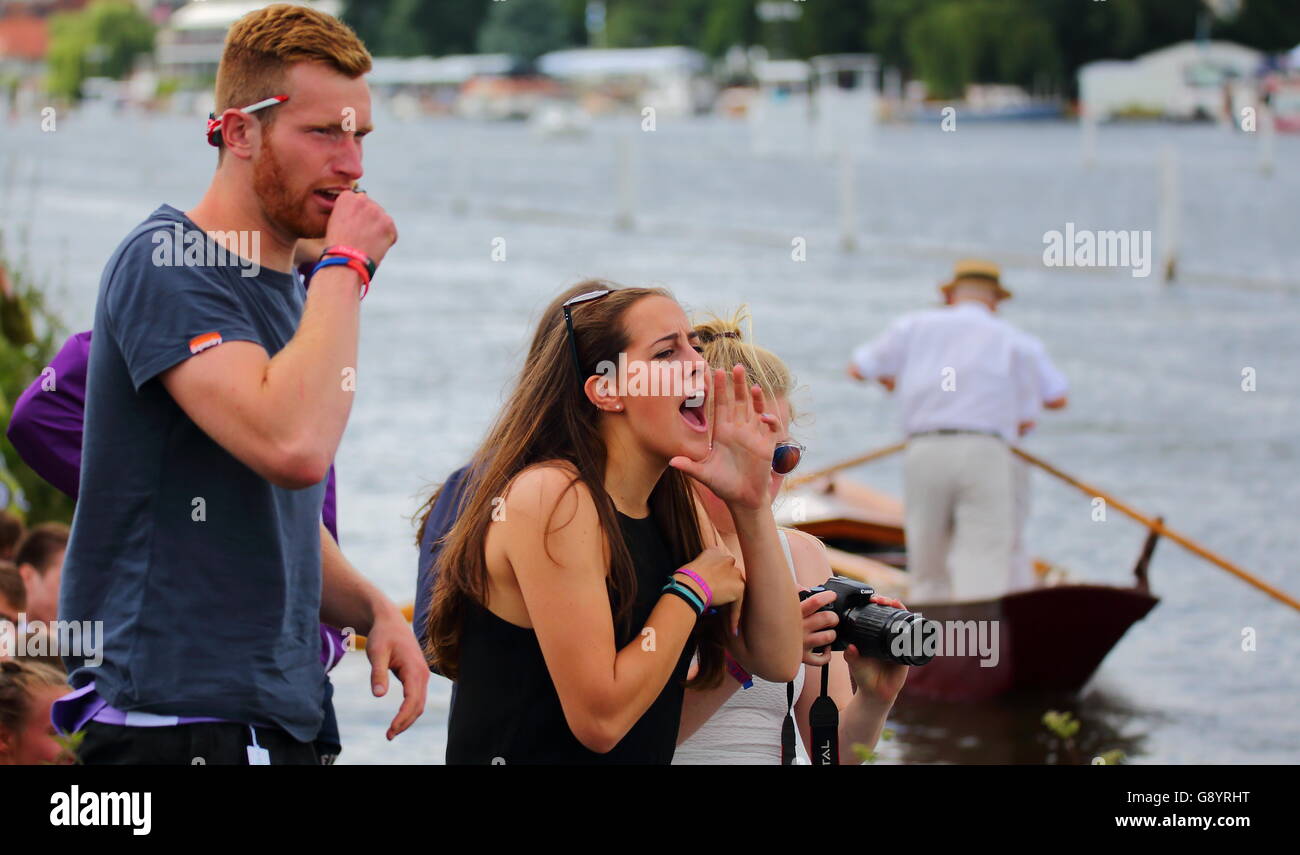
x=746 y=730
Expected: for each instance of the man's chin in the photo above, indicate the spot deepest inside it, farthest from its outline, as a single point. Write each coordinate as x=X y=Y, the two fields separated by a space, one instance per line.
x=313 y=232
x=313 y=223
x=302 y=224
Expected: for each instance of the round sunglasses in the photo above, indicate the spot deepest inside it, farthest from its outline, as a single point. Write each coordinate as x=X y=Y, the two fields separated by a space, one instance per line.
x=786 y=457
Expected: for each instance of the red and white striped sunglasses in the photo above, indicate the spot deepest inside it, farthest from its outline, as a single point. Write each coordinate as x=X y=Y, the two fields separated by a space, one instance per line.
x=214 y=121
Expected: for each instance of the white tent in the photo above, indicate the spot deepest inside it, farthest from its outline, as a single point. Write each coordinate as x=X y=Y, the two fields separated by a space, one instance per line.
x=431 y=71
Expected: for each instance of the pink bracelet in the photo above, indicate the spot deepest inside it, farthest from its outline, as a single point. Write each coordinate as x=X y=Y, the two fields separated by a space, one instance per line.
x=742 y=676
x=704 y=586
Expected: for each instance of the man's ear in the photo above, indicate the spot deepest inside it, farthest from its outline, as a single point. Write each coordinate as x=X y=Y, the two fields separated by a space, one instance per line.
x=29 y=575
x=240 y=133
x=6 y=742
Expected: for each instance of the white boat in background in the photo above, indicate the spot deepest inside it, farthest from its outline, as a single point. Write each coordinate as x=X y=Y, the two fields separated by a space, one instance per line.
x=1183 y=81
x=675 y=81
x=558 y=118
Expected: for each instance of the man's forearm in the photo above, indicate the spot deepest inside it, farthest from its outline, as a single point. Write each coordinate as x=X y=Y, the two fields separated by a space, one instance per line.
x=347 y=599
x=307 y=387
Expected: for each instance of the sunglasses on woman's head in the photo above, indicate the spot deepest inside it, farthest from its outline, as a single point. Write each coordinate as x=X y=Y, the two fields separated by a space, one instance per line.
x=568 y=323
x=786 y=457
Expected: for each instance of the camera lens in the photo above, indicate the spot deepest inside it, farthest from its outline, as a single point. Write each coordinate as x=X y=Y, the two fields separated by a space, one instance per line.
x=887 y=633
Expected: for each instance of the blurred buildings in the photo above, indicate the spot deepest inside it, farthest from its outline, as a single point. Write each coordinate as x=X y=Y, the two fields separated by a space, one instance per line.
x=1184 y=81
x=190 y=40
x=792 y=101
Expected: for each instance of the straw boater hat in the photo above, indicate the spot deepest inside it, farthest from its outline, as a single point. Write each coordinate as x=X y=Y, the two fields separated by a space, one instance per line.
x=977 y=269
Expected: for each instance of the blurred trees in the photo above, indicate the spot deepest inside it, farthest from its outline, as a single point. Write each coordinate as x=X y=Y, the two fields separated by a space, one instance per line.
x=1268 y=26
x=30 y=335
x=101 y=40
x=956 y=42
x=946 y=43
x=417 y=27
x=526 y=28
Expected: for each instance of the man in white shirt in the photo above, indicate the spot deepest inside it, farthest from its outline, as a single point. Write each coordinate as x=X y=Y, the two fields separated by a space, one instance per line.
x=968 y=382
x=1052 y=391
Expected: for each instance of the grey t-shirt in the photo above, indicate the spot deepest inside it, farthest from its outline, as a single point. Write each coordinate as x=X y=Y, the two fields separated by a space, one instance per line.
x=207 y=577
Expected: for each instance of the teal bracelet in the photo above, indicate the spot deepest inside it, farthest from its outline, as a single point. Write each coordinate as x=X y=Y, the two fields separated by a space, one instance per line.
x=686 y=594
x=686 y=597
x=686 y=589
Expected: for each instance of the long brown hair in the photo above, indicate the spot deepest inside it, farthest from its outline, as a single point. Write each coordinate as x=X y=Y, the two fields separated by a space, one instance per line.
x=547 y=417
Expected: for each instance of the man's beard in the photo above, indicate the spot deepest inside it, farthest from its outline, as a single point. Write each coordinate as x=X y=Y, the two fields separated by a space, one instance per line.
x=285 y=211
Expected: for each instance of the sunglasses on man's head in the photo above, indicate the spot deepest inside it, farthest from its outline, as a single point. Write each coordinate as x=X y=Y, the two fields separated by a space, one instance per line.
x=786 y=457
x=568 y=323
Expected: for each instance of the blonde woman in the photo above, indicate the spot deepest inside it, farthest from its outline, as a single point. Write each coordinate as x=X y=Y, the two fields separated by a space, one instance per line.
x=27 y=737
x=735 y=725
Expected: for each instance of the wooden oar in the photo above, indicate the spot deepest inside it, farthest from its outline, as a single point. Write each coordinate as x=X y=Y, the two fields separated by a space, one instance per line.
x=1155 y=525
x=846 y=464
x=1160 y=528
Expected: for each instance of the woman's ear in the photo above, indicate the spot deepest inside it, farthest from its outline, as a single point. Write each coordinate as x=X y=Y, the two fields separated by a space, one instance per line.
x=602 y=391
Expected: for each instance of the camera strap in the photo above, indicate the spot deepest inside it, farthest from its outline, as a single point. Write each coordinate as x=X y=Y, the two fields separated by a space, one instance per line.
x=824 y=721
x=787 y=727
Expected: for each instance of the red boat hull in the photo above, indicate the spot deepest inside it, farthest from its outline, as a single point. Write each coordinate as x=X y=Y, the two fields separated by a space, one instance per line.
x=1048 y=639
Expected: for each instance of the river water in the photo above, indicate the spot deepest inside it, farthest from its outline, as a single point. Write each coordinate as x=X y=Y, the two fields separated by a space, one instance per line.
x=1158 y=414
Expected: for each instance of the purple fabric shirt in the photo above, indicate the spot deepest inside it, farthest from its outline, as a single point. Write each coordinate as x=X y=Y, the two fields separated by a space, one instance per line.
x=71 y=712
x=45 y=429
x=46 y=424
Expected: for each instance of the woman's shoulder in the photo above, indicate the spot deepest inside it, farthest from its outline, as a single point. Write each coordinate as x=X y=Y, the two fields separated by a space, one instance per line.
x=546 y=473
x=542 y=488
x=811 y=561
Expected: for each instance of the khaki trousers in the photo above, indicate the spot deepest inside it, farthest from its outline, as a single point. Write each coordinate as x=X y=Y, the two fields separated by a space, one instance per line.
x=1022 y=571
x=960 y=503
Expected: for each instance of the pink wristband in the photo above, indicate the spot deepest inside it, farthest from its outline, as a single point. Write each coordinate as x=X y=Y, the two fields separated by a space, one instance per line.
x=704 y=586
x=741 y=676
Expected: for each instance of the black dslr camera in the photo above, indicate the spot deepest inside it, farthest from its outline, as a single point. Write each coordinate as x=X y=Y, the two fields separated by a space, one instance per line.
x=881 y=632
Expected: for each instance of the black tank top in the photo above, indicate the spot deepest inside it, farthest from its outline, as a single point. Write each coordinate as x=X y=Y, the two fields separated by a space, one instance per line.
x=507 y=709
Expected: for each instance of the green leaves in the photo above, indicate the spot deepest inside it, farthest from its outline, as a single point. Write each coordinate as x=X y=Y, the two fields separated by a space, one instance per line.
x=864 y=754
x=1065 y=727
x=71 y=745
x=21 y=361
x=1063 y=724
